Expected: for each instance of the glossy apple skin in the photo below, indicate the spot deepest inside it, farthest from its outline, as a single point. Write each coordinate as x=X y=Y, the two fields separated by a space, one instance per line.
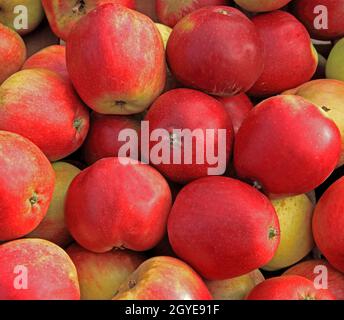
x=261 y=5
x=288 y=159
x=289 y=288
x=101 y=274
x=304 y=10
x=163 y=278
x=41 y=106
x=64 y=15
x=238 y=108
x=122 y=80
x=51 y=274
x=307 y=269
x=188 y=109
x=26 y=186
x=335 y=62
x=223 y=227
x=99 y=219
x=103 y=137
x=230 y=37
x=169 y=12
x=12 y=52
x=328 y=221
x=52 y=58
x=287 y=46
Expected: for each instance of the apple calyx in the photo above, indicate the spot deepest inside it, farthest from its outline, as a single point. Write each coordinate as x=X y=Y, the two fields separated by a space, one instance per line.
x=131 y=283
x=77 y=124
x=79 y=7
x=326 y=109
x=273 y=233
x=34 y=199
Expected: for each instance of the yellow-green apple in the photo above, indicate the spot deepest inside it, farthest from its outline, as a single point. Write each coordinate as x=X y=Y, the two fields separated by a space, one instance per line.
x=53 y=226
x=261 y=5
x=12 y=52
x=26 y=184
x=327 y=95
x=169 y=12
x=41 y=106
x=36 y=269
x=130 y=69
x=63 y=15
x=287 y=46
x=233 y=59
x=335 y=62
x=295 y=219
x=163 y=278
x=165 y=32
x=22 y=16
x=236 y=288
x=101 y=274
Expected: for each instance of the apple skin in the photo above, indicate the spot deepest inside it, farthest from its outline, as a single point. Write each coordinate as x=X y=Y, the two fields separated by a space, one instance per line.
x=12 y=52
x=136 y=220
x=64 y=15
x=335 y=62
x=169 y=12
x=304 y=11
x=236 y=288
x=52 y=58
x=163 y=278
x=327 y=95
x=289 y=164
x=127 y=80
x=199 y=111
x=328 y=221
x=261 y=5
x=53 y=227
x=307 y=269
x=289 y=288
x=238 y=108
x=35 y=14
x=26 y=186
x=228 y=35
x=101 y=274
x=102 y=139
x=51 y=273
x=41 y=106
x=223 y=227
x=287 y=47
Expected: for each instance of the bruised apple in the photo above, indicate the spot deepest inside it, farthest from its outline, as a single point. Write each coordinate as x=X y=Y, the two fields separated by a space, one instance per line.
x=101 y=274
x=35 y=269
x=163 y=278
x=41 y=106
x=64 y=15
x=116 y=60
x=261 y=5
x=118 y=203
x=26 y=186
x=288 y=159
x=223 y=227
x=217 y=50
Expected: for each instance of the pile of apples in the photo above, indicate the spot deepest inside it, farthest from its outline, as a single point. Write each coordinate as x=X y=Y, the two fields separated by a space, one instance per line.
x=77 y=223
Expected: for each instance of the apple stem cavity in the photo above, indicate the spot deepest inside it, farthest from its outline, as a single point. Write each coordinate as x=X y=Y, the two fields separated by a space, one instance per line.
x=131 y=284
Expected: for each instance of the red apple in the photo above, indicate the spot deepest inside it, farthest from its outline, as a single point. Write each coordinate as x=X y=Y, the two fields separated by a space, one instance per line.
x=170 y=12
x=111 y=204
x=26 y=186
x=223 y=227
x=328 y=221
x=289 y=56
x=289 y=288
x=64 y=15
x=12 y=52
x=238 y=108
x=322 y=18
x=116 y=61
x=217 y=50
x=163 y=278
x=35 y=269
x=308 y=269
x=52 y=58
x=191 y=110
x=41 y=106
x=287 y=146
x=261 y=5
x=103 y=138
x=101 y=274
